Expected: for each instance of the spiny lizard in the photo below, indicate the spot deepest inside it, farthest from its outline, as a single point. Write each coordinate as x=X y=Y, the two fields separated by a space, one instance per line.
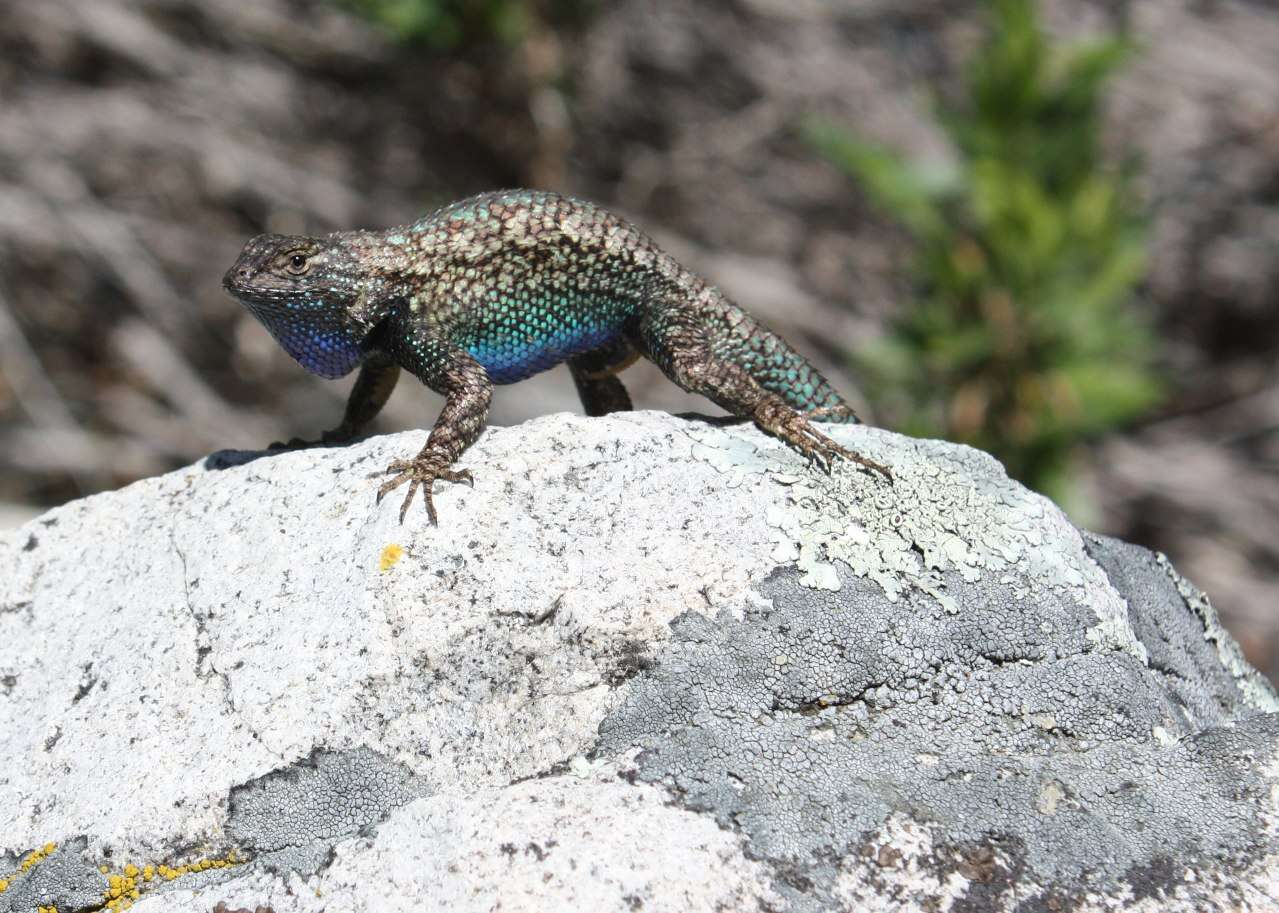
x=495 y=288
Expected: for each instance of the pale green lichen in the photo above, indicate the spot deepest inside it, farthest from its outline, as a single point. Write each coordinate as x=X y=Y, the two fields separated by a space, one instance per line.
x=950 y=510
x=738 y=458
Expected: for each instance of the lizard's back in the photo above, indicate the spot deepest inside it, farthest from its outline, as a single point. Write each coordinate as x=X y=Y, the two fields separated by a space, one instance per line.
x=524 y=280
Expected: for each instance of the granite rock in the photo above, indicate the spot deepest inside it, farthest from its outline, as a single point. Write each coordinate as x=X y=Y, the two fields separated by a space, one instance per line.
x=646 y=663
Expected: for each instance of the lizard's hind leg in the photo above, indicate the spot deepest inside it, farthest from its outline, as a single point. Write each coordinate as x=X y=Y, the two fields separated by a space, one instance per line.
x=595 y=374
x=674 y=340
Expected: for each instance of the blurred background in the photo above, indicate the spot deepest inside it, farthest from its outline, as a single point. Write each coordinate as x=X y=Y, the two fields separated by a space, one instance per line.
x=1048 y=229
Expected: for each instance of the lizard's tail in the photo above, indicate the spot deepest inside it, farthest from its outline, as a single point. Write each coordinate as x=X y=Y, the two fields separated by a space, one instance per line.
x=778 y=368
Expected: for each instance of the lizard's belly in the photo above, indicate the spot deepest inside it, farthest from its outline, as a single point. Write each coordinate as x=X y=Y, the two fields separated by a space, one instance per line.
x=512 y=348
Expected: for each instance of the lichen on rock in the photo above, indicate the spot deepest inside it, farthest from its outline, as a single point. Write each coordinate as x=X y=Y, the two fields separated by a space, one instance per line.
x=648 y=662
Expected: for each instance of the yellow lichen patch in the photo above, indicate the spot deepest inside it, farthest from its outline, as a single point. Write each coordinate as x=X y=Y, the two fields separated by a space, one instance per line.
x=126 y=886
x=32 y=859
x=390 y=555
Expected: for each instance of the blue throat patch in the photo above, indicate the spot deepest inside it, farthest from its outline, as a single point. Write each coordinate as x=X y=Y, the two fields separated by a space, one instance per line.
x=306 y=331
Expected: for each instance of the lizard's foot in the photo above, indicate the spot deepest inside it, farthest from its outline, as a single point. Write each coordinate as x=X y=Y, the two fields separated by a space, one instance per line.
x=339 y=435
x=794 y=428
x=421 y=472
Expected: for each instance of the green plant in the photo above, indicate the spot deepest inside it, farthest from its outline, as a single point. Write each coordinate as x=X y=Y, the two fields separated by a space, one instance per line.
x=447 y=24
x=444 y=23
x=1024 y=340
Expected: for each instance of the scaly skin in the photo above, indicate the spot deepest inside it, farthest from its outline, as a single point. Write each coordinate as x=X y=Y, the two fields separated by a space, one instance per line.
x=495 y=288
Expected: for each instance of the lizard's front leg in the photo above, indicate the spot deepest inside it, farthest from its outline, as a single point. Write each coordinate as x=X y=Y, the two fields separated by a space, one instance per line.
x=373 y=386
x=467 y=391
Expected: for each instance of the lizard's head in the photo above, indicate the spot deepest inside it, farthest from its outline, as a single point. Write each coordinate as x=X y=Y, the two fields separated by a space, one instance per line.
x=310 y=294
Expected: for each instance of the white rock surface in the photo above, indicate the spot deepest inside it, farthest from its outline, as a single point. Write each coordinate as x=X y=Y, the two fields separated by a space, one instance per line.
x=848 y=695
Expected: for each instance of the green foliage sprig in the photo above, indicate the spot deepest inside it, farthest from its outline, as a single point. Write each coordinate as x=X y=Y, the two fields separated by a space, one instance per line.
x=448 y=24
x=1023 y=340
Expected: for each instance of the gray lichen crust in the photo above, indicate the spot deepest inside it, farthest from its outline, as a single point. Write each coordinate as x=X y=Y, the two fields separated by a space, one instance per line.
x=61 y=880
x=812 y=721
x=291 y=817
x=652 y=664
x=1184 y=639
x=951 y=514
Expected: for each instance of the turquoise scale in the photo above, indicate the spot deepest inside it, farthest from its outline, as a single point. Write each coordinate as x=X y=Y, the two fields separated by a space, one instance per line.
x=522 y=339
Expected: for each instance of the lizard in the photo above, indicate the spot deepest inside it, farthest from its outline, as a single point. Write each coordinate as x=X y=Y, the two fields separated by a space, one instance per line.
x=497 y=287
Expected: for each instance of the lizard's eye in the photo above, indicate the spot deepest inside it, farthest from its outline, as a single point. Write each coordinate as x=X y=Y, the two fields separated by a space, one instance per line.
x=298 y=264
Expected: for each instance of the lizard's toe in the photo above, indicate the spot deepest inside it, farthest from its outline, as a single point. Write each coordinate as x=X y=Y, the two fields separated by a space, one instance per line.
x=392 y=484
x=422 y=472
x=339 y=435
x=414 y=484
x=832 y=451
x=854 y=457
x=774 y=416
x=458 y=475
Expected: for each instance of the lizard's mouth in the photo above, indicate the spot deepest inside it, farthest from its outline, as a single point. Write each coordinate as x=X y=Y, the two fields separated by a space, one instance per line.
x=259 y=291
x=237 y=278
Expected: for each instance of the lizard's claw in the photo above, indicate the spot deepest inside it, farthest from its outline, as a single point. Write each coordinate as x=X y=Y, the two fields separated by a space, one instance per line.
x=339 y=435
x=854 y=457
x=779 y=419
x=421 y=472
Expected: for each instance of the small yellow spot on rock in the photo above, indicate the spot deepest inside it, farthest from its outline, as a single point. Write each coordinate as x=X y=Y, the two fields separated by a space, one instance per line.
x=390 y=555
x=124 y=889
x=36 y=855
x=4 y=885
